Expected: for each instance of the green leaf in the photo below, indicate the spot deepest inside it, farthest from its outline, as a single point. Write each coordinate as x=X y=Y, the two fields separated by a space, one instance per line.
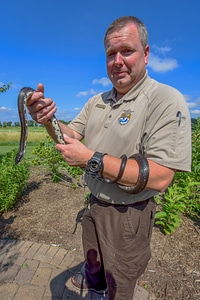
x=160 y=215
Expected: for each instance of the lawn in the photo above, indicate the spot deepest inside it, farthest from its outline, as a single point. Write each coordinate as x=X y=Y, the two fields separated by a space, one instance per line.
x=10 y=138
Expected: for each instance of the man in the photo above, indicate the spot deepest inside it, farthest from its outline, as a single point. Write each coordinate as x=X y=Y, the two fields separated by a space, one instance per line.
x=136 y=137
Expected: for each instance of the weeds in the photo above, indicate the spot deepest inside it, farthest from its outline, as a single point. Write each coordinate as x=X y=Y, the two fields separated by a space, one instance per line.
x=13 y=179
x=183 y=196
x=50 y=158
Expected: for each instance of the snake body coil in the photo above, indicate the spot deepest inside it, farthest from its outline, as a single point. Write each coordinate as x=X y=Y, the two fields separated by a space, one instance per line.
x=23 y=96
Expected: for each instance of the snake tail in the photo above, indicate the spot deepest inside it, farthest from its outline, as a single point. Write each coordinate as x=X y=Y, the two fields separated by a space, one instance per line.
x=23 y=96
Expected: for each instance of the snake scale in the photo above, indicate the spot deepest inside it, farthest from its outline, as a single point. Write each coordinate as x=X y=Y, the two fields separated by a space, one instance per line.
x=24 y=94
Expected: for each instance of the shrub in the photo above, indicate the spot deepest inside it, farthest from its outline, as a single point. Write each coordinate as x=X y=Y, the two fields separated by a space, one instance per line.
x=183 y=196
x=46 y=155
x=13 y=179
x=172 y=205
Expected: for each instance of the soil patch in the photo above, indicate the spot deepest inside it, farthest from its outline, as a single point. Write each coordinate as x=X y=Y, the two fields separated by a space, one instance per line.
x=51 y=213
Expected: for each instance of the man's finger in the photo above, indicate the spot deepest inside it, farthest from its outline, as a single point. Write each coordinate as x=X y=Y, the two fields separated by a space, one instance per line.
x=40 y=87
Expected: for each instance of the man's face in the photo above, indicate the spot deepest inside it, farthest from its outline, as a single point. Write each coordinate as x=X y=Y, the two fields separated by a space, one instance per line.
x=126 y=59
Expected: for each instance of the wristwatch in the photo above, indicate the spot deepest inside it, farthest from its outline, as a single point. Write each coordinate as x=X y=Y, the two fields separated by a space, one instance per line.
x=95 y=164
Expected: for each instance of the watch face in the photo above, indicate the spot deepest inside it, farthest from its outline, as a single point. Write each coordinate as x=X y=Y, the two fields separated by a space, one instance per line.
x=94 y=166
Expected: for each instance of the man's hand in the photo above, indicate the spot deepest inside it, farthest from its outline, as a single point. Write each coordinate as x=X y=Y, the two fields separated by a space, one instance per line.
x=75 y=152
x=41 y=109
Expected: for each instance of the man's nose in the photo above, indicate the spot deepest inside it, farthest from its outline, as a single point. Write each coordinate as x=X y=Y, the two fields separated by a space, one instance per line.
x=118 y=58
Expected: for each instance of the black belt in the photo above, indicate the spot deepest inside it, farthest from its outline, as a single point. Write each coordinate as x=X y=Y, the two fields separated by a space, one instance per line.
x=143 y=202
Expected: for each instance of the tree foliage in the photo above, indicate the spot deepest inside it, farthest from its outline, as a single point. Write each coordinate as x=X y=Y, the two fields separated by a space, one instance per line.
x=5 y=87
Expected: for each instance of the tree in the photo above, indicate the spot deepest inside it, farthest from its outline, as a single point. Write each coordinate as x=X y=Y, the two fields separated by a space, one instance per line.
x=9 y=124
x=31 y=123
x=5 y=87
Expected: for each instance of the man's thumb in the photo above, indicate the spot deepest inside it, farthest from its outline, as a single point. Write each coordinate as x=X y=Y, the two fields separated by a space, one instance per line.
x=40 y=88
x=66 y=138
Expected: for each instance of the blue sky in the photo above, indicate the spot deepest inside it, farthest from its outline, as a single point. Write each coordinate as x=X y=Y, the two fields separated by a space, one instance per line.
x=60 y=43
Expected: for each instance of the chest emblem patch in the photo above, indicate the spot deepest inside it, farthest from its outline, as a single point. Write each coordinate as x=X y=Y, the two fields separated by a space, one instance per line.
x=125 y=117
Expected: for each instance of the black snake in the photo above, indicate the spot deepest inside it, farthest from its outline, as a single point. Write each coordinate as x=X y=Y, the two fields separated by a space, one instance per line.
x=23 y=96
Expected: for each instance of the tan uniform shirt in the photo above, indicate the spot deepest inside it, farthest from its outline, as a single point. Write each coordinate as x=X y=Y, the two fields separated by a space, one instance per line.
x=151 y=117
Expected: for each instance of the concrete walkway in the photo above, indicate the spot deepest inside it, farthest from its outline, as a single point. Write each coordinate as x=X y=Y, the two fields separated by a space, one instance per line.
x=32 y=271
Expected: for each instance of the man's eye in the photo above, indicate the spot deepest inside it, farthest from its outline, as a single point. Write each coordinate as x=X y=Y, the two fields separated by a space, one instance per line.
x=126 y=52
x=111 y=54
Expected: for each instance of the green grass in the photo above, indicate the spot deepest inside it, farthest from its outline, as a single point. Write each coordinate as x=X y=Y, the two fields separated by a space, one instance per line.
x=11 y=146
x=18 y=129
x=10 y=138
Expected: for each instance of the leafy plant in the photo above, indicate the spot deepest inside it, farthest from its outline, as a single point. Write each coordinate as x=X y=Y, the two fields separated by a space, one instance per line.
x=183 y=196
x=172 y=207
x=191 y=190
x=52 y=160
x=13 y=179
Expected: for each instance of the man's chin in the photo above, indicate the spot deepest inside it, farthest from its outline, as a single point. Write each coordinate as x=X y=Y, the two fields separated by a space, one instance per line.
x=121 y=81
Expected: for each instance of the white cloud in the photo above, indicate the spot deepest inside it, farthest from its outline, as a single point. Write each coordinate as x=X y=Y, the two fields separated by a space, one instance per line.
x=86 y=93
x=103 y=81
x=162 y=65
x=187 y=97
x=162 y=50
x=4 y=109
x=195 y=111
x=66 y=115
x=191 y=104
x=198 y=100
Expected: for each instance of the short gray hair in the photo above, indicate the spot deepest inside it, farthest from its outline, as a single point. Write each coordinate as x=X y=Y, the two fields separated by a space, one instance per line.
x=121 y=22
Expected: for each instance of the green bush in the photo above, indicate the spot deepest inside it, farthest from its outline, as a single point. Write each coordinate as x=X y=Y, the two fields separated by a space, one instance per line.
x=183 y=196
x=172 y=206
x=13 y=179
x=46 y=155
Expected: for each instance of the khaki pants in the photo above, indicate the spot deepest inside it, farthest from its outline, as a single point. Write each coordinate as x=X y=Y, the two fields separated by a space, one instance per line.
x=116 y=243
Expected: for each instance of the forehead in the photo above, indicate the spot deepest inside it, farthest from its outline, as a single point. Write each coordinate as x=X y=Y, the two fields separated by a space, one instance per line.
x=126 y=35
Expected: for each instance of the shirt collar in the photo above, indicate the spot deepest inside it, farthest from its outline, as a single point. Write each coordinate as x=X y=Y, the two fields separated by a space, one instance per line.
x=132 y=94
